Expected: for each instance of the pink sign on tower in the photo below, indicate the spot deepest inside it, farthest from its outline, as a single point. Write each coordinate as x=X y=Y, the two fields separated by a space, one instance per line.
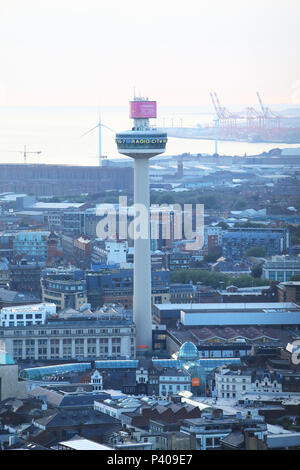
x=142 y=109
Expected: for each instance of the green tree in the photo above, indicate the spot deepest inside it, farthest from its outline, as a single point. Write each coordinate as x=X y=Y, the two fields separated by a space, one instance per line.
x=239 y=204
x=258 y=251
x=223 y=225
x=249 y=225
x=215 y=279
x=212 y=255
x=256 y=270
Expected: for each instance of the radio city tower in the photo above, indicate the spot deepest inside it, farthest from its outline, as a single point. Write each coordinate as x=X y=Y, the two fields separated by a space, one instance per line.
x=142 y=143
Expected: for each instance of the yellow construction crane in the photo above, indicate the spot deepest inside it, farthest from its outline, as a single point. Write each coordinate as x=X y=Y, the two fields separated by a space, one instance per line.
x=24 y=152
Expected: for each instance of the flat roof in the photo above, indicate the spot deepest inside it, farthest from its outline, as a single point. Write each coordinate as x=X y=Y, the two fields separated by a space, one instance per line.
x=27 y=308
x=56 y=205
x=229 y=306
x=283 y=440
x=84 y=444
x=241 y=317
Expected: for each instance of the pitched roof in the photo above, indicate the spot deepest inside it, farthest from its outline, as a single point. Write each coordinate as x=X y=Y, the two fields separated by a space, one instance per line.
x=234 y=439
x=70 y=418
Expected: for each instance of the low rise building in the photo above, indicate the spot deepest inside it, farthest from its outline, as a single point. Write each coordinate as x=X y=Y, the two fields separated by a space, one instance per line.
x=229 y=314
x=173 y=381
x=250 y=294
x=281 y=268
x=66 y=288
x=232 y=269
x=284 y=314
x=26 y=315
x=289 y=291
x=178 y=260
x=25 y=276
x=238 y=383
x=206 y=433
x=79 y=336
x=231 y=384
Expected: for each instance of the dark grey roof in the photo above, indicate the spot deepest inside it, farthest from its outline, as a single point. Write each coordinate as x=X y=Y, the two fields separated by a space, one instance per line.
x=61 y=399
x=234 y=439
x=52 y=397
x=172 y=372
x=82 y=399
x=68 y=418
x=13 y=296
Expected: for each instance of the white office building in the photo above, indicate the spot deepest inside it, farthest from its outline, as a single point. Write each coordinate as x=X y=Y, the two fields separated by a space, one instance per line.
x=26 y=315
x=116 y=251
x=237 y=383
x=172 y=381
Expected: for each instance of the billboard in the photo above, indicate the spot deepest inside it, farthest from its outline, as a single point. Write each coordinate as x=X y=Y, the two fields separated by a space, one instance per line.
x=142 y=109
x=195 y=382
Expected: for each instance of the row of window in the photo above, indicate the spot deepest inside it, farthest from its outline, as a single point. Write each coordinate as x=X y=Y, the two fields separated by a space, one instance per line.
x=65 y=341
x=64 y=332
x=20 y=316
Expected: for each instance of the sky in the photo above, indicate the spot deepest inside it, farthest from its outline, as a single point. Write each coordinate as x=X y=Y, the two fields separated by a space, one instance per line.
x=91 y=52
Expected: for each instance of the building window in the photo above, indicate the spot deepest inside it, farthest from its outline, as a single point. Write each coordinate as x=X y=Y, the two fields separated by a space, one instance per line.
x=209 y=442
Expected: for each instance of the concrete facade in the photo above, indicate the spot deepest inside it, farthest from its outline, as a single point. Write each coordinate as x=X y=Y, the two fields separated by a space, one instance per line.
x=10 y=386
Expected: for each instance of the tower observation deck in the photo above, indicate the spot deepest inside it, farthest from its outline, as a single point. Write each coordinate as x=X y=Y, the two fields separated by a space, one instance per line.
x=142 y=143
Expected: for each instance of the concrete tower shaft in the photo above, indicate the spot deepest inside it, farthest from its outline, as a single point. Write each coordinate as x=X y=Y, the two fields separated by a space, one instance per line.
x=142 y=143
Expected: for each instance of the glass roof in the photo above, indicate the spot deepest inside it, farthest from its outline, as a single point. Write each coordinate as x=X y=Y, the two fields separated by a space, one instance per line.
x=41 y=372
x=118 y=364
x=208 y=364
x=5 y=358
x=165 y=362
x=188 y=352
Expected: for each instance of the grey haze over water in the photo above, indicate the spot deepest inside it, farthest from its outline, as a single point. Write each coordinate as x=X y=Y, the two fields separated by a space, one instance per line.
x=57 y=131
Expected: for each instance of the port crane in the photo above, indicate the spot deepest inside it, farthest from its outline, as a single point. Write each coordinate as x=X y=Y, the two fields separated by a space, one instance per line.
x=23 y=152
x=255 y=119
x=226 y=119
x=268 y=114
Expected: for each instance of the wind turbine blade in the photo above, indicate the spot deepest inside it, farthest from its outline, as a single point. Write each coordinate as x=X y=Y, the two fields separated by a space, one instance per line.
x=103 y=125
x=87 y=132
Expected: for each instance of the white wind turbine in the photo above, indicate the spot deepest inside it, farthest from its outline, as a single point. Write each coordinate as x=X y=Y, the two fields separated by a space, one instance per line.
x=99 y=125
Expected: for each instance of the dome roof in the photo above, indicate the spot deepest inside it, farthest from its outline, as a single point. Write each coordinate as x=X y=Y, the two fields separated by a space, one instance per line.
x=188 y=352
